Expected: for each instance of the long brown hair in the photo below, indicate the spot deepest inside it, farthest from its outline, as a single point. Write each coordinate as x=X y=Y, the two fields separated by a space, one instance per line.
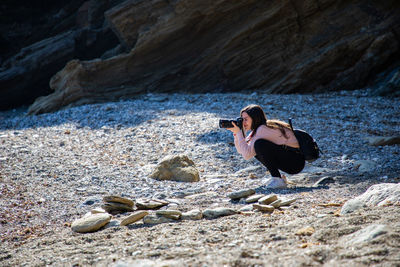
x=257 y=115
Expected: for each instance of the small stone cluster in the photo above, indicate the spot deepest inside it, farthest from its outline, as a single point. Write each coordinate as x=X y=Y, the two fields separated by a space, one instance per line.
x=259 y=202
x=149 y=210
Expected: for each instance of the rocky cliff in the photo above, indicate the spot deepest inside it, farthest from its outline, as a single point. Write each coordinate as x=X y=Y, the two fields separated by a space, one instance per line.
x=284 y=46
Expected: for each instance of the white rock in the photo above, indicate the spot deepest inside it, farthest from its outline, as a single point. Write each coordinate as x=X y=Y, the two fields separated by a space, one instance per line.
x=90 y=223
x=376 y=195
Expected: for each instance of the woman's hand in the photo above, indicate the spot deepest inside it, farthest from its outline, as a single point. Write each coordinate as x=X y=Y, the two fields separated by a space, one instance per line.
x=235 y=129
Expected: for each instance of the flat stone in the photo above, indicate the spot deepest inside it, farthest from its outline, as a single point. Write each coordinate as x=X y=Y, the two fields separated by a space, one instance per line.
x=287 y=202
x=276 y=204
x=254 y=198
x=264 y=208
x=172 y=214
x=268 y=199
x=98 y=210
x=246 y=208
x=218 y=212
x=118 y=199
x=136 y=216
x=241 y=193
x=149 y=204
x=155 y=219
x=90 y=223
x=195 y=214
x=116 y=207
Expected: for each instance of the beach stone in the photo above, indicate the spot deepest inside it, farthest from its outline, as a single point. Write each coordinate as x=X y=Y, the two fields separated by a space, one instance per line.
x=116 y=207
x=136 y=216
x=176 y=168
x=246 y=208
x=383 y=140
x=90 y=223
x=287 y=202
x=218 y=212
x=98 y=210
x=264 y=208
x=172 y=214
x=376 y=195
x=194 y=214
x=241 y=194
x=156 y=219
x=268 y=199
x=118 y=199
x=366 y=234
x=254 y=198
x=276 y=204
x=149 y=204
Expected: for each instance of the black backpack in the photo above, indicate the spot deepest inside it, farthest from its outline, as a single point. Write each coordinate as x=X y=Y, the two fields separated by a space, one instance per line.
x=308 y=146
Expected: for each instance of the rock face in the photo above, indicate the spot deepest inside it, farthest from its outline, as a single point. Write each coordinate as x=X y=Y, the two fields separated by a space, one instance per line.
x=37 y=39
x=272 y=46
x=176 y=168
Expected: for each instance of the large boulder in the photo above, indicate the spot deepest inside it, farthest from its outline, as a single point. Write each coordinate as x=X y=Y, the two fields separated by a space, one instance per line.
x=376 y=195
x=176 y=168
x=202 y=46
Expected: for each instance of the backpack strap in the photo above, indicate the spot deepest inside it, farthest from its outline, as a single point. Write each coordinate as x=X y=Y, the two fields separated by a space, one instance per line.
x=290 y=123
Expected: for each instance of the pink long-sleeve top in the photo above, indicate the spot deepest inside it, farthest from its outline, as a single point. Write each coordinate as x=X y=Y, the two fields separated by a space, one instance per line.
x=246 y=146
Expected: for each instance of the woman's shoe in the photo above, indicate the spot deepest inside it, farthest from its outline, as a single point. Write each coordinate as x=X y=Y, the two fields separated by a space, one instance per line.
x=276 y=183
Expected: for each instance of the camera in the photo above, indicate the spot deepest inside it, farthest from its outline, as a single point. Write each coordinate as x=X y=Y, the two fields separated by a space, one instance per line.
x=228 y=123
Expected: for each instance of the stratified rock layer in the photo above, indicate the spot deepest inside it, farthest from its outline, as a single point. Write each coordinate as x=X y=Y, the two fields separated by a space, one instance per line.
x=273 y=46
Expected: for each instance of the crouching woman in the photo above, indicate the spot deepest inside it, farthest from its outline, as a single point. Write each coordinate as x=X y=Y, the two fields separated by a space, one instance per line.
x=272 y=142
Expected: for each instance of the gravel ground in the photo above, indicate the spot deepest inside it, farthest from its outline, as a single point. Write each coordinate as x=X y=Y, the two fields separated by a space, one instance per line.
x=56 y=167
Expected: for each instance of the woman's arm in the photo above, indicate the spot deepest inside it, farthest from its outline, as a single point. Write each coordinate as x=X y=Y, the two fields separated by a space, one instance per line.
x=244 y=148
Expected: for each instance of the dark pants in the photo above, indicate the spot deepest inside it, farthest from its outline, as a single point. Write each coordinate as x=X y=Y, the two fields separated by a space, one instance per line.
x=279 y=157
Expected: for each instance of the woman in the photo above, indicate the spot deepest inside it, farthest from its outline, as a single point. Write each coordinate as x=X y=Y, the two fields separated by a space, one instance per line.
x=272 y=142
